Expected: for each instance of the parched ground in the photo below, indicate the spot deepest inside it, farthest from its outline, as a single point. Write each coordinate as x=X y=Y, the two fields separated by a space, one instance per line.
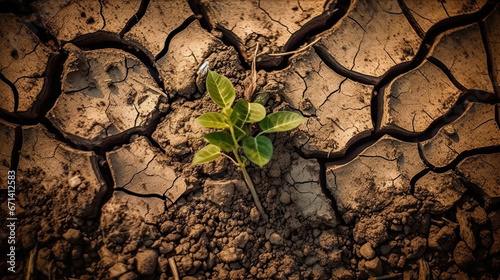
x=394 y=174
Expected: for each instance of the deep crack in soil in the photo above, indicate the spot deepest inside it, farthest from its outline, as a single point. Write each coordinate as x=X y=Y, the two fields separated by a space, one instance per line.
x=393 y=175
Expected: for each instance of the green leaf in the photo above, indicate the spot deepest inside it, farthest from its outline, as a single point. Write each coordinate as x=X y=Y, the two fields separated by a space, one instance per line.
x=244 y=160
x=220 y=89
x=208 y=153
x=249 y=112
x=222 y=139
x=228 y=112
x=280 y=121
x=239 y=133
x=235 y=118
x=262 y=98
x=239 y=123
x=259 y=150
x=213 y=120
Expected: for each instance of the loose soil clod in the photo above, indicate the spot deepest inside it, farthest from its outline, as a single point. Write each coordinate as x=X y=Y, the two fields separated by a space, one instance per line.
x=393 y=176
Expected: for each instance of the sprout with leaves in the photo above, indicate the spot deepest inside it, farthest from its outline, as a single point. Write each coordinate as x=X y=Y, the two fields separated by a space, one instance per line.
x=235 y=124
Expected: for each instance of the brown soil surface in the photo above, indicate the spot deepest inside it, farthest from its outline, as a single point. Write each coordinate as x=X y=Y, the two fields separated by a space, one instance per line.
x=394 y=174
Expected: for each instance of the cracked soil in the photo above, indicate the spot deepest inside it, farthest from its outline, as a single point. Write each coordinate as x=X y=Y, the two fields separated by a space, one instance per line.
x=393 y=175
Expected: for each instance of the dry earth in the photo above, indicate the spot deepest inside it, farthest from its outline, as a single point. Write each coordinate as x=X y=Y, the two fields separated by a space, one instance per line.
x=393 y=175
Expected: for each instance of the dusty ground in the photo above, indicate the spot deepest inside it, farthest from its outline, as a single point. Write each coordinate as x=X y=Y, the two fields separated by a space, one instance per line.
x=394 y=173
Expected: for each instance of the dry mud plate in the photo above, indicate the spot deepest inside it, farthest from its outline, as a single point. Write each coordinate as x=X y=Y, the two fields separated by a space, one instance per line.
x=393 y=175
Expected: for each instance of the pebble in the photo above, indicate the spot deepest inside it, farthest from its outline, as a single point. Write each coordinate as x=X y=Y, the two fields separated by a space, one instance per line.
x=129 y=276
x=166 y=248
x=416 y=247
x=375 y=266
x=444 y=239
x=367 y=251
x=463 y=255
x=74 y=181
x=276 y=239
x=407 y=229
x=328 y=240
x=385 y=249
x=156 y=244
x=72 y=235
x=76 y=253
x=61 y=249
x=465 y=228
x=146 y=262
x=230 y=254
x=485 y=238
x=167 y=227
x=196 y=231
x=479 y=216
x=285 y=198
x=117 y=270
x=242 y=239
x=254 y=215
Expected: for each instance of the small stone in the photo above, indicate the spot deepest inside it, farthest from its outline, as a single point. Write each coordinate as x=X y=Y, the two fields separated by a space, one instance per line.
x=28 y=236
x=254 y=215
x=375 y=266
x=196 y=231
x=72 y=235
x=285 y=198
x=76 y=253
x=465 y=228
x=397 y=227
x=449 y=130
x=494 y=217
x=404 y=219
x=444 y=239
x=463 y=255
x=43 y=261
x=479 y=216
x=117 y=270
x=367 y=251
x=276 y=239
x=60 y=250
x=166 y=248
x=416 y=248
x=156 y=244
x=220 y=193
x=172 y=237
x=328 y=240
x=167 y=227
x=485 y=238
x=230 y=254
x=74 y=182
x=407 y=229
x=495 y=247
x=342 y=274
x=274 y=170
x=146 y=262
x=148 y=243
x=385 y=249
x=242 y=239
x=185 y=264
x=371 y=229
x=129 y=276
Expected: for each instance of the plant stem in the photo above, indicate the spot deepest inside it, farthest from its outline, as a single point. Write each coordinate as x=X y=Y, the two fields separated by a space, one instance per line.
x=247 y=178
x=235 y=163
x=249 y=182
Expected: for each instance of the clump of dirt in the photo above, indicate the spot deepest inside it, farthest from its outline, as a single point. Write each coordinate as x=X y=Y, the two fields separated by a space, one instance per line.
x=394 y=174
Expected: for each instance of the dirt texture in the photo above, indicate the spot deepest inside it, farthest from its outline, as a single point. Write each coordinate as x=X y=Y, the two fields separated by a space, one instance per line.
x=393 y=175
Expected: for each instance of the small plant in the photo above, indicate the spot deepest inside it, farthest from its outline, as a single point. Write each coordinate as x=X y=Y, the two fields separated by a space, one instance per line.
x=236 y=129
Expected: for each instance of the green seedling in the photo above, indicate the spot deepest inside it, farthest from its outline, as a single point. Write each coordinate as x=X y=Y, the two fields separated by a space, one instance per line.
x=235 y=129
